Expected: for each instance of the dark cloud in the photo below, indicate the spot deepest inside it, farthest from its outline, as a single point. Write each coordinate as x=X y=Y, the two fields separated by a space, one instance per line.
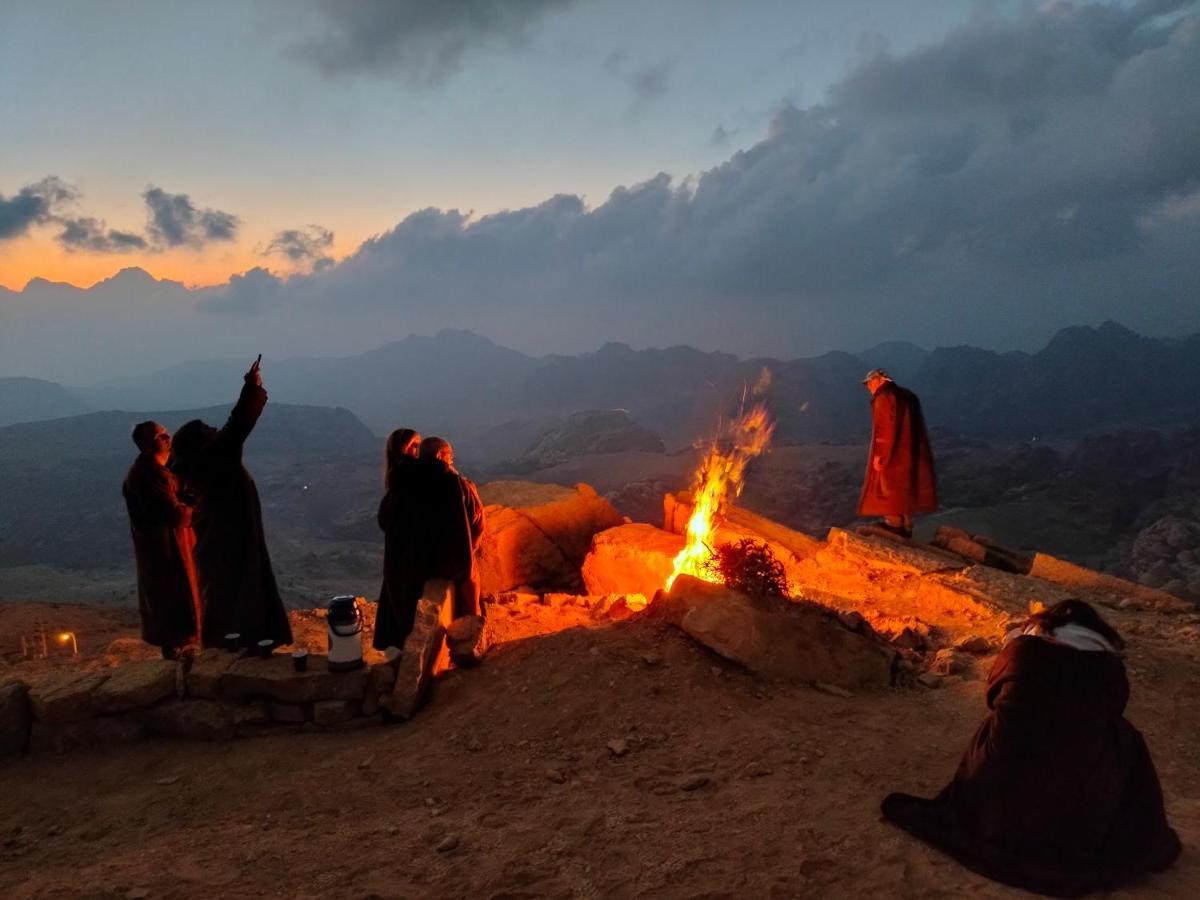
x=92 y=235
x=420 y=42
x=307 y=246
x=175 y=222
x=720 y=136
x=651 y=81
x=34 y=204
x=1022 y=173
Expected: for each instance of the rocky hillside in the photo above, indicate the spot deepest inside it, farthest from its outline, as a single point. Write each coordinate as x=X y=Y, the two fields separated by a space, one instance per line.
x=33 y=400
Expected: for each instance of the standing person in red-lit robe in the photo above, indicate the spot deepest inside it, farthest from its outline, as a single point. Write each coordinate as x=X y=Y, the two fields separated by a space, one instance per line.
x=238 y=592
x=160 y=521
x=900 y=480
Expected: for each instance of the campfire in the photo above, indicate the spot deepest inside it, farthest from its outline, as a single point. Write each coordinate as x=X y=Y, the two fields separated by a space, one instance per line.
x=717 y=483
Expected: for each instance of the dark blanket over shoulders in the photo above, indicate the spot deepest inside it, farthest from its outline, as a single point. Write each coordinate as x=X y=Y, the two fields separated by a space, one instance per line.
x=237 y=586
x=1056 y=792
x=427 y=534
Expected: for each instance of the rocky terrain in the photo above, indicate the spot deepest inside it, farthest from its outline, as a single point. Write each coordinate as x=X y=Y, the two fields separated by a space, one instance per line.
x=608 y=759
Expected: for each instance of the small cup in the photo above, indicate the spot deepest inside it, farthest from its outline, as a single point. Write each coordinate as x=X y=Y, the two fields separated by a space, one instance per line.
x=232 y=640
x=300 y=660
x=265 y=646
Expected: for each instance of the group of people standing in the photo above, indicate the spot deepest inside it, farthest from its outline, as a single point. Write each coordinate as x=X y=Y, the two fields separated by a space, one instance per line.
x=203 y=569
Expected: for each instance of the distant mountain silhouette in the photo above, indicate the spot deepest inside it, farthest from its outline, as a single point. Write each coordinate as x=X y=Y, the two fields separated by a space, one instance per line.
x=32 y=400
x=493 y=402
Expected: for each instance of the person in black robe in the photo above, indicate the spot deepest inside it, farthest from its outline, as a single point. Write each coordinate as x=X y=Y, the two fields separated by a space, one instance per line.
x=162 y=544
x=238 y=592
x=467 y=591
x=426 y=535
x=1056 y=792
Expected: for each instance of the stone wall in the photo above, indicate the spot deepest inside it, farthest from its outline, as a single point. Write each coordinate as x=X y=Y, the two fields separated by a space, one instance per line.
x=214 y=696
x=218 y=695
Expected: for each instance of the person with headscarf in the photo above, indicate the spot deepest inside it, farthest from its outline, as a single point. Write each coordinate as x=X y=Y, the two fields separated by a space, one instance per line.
x=426 y=534
x=1056 y=792
x=238 y=592
x=160 y=522
x=900 y=480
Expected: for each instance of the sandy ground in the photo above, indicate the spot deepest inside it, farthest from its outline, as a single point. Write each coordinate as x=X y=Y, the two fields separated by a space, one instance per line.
x=505 y=786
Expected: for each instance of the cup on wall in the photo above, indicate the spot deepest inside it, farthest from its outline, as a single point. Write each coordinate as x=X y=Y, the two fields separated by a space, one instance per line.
x=232 y=641
x=300 y=660
x=265 y=646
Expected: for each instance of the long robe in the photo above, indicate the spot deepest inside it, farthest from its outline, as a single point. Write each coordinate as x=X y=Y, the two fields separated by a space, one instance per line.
x=906 y=484
x=162 y=549
x=238 y=592
x=1056 y=792
x=426 y=535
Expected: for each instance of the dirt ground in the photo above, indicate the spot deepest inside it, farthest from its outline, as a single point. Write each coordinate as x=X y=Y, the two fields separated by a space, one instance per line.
x=615 y=761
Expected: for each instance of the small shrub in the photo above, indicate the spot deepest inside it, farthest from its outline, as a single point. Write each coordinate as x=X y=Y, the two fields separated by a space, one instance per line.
x=749 y=567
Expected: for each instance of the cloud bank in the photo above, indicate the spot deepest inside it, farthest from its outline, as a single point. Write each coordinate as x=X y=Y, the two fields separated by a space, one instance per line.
x=1021 y=174
x=1024 y=173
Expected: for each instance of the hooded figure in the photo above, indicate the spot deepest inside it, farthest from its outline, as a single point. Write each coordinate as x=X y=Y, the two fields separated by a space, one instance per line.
x=1056 y=792
x=237 y=587
x=426 y=535
x=160 y=521
x=900 y=481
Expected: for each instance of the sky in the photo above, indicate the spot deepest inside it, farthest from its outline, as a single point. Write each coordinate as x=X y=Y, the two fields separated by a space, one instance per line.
x=761 y=176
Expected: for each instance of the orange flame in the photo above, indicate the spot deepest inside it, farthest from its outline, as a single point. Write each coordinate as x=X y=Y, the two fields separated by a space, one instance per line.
x=718 y=481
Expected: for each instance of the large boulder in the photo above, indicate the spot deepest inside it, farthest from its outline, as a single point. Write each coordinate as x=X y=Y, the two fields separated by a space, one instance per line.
x=542 y=544
x=777 y=638
x=631 y=559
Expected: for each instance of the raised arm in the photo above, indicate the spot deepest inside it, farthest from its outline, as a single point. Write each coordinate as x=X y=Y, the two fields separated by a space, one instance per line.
x=246 y=411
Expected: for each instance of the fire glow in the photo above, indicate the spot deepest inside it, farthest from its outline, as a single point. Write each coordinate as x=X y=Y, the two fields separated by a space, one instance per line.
x=718 y=482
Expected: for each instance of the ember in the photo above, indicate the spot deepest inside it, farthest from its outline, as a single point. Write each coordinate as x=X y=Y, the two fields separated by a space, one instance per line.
x=718 y=481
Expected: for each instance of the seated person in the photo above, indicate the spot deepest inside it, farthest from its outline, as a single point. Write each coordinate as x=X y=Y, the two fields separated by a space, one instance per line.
x=1056 y=792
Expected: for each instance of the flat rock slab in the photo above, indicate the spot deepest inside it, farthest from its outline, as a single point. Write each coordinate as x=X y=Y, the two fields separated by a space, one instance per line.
x=204 y=676
x=135 y=684
x=776 y=638
x=1002 y=592
x=887 y=554
x=193 y=720
x=1100 y=584
x=65 y=695
x=15 y=719
x=275 y=678
x=631 y=559
x=424 y=652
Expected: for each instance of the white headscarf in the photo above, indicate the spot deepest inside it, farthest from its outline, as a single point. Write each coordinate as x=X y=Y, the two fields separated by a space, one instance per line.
x=1073 y=635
